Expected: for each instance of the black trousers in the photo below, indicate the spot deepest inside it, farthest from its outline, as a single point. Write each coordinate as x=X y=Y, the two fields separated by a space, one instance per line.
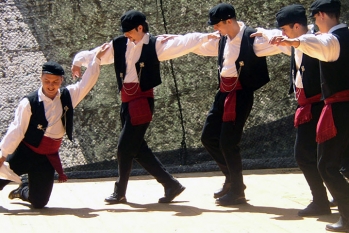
x=40 y=175
x=132 y=146
x=331 y=155
x=222 y=139
x=305 y=151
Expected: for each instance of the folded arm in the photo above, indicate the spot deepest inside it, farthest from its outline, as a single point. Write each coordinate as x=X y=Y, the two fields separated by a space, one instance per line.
x=261 y=45
x=84 y=58
x=80 y=89
x=324 y=47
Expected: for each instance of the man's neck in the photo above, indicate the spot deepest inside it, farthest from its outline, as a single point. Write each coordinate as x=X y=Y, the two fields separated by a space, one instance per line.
x=303 y=30
x=136 y=42
x=328 y=25
x=234 y=30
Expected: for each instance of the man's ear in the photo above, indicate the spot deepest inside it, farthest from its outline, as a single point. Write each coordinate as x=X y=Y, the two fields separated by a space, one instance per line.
x=322 y=14
x=296 y=26
x=140 y=28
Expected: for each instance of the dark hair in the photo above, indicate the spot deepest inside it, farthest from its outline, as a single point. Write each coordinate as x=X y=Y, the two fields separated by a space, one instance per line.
x=291 y=25
x=332 y=15
x=145 y=27
x=303 y=23
x=225 y=21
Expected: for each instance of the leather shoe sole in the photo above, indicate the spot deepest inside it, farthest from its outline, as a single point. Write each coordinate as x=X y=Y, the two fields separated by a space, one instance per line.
x=16 y=193
x=315 y=209
x=224 y=190
x=311 y=213
x=340 y=226
x=171 y=196
x=115 y=200
x=226 y=201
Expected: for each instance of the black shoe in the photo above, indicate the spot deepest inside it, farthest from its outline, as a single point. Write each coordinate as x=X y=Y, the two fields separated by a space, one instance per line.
x=231 y=199
x=341 y=226
x=221 y=192
x=171 y=193
x=115 y=199
x=333 y=203
x=17 y=193
x=314 y=209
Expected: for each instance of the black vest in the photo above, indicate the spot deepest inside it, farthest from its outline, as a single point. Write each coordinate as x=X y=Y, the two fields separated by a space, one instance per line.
x=148 y=65
x=254 y=71
x=335 y=75
x=38 y=122
x=310 y=72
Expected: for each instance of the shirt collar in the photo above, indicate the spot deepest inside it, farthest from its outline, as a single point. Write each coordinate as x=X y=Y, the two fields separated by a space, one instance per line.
x=338 y=26
x=311 y=29
x=238 y=36
x=145 y=39
x=43 y=97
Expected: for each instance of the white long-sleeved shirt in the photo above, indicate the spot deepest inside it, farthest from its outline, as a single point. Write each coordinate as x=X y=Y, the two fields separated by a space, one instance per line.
x=269 y=49
x=170 y=49
x=232 y=50
x=53 y=110
x=197 y=43
x=324 y=47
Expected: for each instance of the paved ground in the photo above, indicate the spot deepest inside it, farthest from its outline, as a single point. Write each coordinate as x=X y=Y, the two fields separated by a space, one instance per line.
x=275 y=197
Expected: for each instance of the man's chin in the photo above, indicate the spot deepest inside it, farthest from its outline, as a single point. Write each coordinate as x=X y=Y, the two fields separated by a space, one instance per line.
x=50 y=94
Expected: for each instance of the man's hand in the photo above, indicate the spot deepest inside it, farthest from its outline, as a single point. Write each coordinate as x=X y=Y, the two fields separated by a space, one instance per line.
x=256 y=34
x=76 y=71
x=166 y=37
x=102 y=51
x=214 y=36
x=284 y=41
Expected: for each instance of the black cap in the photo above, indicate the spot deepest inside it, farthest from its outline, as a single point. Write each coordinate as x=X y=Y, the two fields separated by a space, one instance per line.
x=52 y=67
x=325 y=6
x=221 y=12
x=131 y=19
x=291 y=14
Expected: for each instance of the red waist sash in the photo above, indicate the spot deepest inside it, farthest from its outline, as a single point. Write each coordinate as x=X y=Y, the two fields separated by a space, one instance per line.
x=231 y=85
x=303 y=112
x=137 y=100
x=326 y=128
x=49 y=147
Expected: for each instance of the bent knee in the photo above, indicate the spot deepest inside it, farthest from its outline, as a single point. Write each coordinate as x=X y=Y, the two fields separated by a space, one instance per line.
x=38 y=204
x=205 y=138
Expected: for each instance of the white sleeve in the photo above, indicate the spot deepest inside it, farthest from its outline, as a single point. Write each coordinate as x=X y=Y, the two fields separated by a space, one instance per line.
x=17 y=128
x=80 y=89
x=208 y=48
x=324 y=47
x=262 y=47
x=84 y=58
x=179 y=45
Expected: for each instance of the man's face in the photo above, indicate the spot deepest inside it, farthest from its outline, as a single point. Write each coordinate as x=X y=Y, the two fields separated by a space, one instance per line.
x=50 y=84
x=318 y=21
x=221 y=27
x=289 y=31
x=136 y=34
